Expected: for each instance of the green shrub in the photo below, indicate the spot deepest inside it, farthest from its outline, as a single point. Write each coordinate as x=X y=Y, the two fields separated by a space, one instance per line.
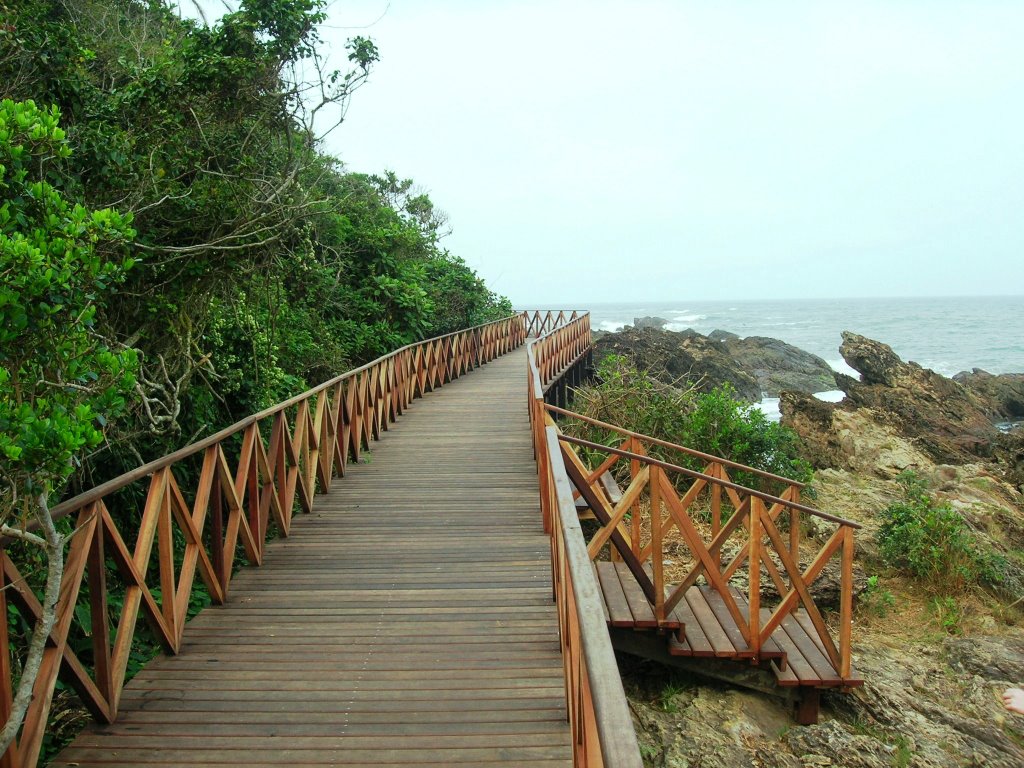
x=875 y=599
x=714 y=422
x=931 y=541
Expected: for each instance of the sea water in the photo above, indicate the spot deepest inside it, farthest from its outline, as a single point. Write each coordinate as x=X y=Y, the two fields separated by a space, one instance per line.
x=948 y=334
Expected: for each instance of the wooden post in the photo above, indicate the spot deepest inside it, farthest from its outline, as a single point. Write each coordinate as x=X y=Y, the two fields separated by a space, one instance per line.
x=654 y=484
x=754 y=594
x=794 y=525
x=10 y=757
x=716 y=511
x=846 y=606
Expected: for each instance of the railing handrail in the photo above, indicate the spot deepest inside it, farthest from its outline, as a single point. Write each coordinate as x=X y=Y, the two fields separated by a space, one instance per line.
x=598 y=710
x=697 y=475
x=676 y=446
x=619 y=747
x=68 y=506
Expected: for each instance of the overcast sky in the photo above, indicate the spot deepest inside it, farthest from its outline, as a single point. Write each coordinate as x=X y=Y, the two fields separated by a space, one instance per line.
x=602 y=151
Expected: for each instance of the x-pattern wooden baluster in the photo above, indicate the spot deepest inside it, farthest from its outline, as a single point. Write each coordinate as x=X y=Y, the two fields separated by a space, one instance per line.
x=577 y=473
x=693 y=540
x=800 y=583
x=625 y=504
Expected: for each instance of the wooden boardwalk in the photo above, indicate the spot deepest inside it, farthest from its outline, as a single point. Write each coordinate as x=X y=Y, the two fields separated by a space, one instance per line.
x=409 y=620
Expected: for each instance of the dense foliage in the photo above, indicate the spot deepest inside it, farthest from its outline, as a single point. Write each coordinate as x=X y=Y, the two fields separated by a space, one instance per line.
x=931 y=541
x=260 y=266
x=59 y=383
x=714 y=422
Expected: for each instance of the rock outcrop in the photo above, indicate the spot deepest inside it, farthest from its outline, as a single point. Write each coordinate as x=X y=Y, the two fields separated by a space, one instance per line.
x=1004 y=393
x=938 y=416
x=688 y=356
x=756 y=366
x=779 y=366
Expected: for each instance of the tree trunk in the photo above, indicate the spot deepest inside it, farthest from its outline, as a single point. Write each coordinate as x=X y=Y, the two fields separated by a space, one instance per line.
x=53 y=544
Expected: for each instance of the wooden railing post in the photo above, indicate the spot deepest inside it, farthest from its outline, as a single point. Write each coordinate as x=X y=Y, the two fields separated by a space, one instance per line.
x=794 y=523
x=657 y=554
x=9 y=759
x=754 y=591
x=846 y=605
x=717 y=471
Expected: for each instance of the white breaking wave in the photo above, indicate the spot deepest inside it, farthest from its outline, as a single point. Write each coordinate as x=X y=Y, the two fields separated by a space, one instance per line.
x=841 y=366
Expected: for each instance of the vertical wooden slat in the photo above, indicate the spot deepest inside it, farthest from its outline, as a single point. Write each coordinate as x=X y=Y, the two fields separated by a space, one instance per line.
x=9 y=759
x=657 y=555
x=754 y=591
x=96 y=567
x=794 y=524
x=165 y=550
x=846 y=606
x=636 y=524
x=716 y=500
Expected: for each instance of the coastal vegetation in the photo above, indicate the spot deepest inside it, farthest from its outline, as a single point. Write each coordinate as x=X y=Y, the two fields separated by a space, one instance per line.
x=931 y=541
x=178 y=250
x=715 y=421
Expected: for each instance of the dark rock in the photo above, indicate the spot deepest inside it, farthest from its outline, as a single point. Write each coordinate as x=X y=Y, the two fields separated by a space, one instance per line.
x=779 y=366
x=720 y=335
x=812 y=420
x=827 y=742
x=948 y=421
x=649 y=322
x=672 y=357
x=1009 y=452
x=996 y=659
x=1005 y=392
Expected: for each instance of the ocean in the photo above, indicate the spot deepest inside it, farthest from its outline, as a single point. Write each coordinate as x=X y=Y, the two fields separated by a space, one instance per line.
x=948 y=334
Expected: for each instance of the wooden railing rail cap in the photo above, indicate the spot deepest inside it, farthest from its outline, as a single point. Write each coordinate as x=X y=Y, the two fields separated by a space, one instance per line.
x=94 y=494
x=708 y=478
x=676 y=446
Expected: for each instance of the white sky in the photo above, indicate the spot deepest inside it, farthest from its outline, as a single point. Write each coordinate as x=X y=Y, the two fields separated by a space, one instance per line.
x=604 y=151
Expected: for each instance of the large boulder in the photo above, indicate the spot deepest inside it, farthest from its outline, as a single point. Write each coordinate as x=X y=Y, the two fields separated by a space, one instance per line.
x=1005 y=392
x=947 y=420
x=649 y=322
x=779 y=366
x=680 y=356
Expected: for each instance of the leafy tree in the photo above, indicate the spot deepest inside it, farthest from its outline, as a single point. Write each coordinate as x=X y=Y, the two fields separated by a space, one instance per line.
x=59 y=383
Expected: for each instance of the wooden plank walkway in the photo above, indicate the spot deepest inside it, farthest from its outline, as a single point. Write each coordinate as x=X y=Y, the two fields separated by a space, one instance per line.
x=409 y=620
x=701 y=626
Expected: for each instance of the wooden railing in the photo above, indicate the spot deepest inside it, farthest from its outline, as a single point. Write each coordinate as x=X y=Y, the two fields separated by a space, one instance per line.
x=599 y=715
x=541 y=321
x=230 y=504
x=637 y=531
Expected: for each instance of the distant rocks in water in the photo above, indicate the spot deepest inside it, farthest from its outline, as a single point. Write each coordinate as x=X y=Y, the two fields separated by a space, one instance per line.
x=755 y=366
x=649 y=322
x=1005 y=391
x=720 y=335
x=672 y=356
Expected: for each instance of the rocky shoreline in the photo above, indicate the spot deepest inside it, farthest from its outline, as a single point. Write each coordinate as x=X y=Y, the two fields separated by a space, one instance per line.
x=931 y=697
